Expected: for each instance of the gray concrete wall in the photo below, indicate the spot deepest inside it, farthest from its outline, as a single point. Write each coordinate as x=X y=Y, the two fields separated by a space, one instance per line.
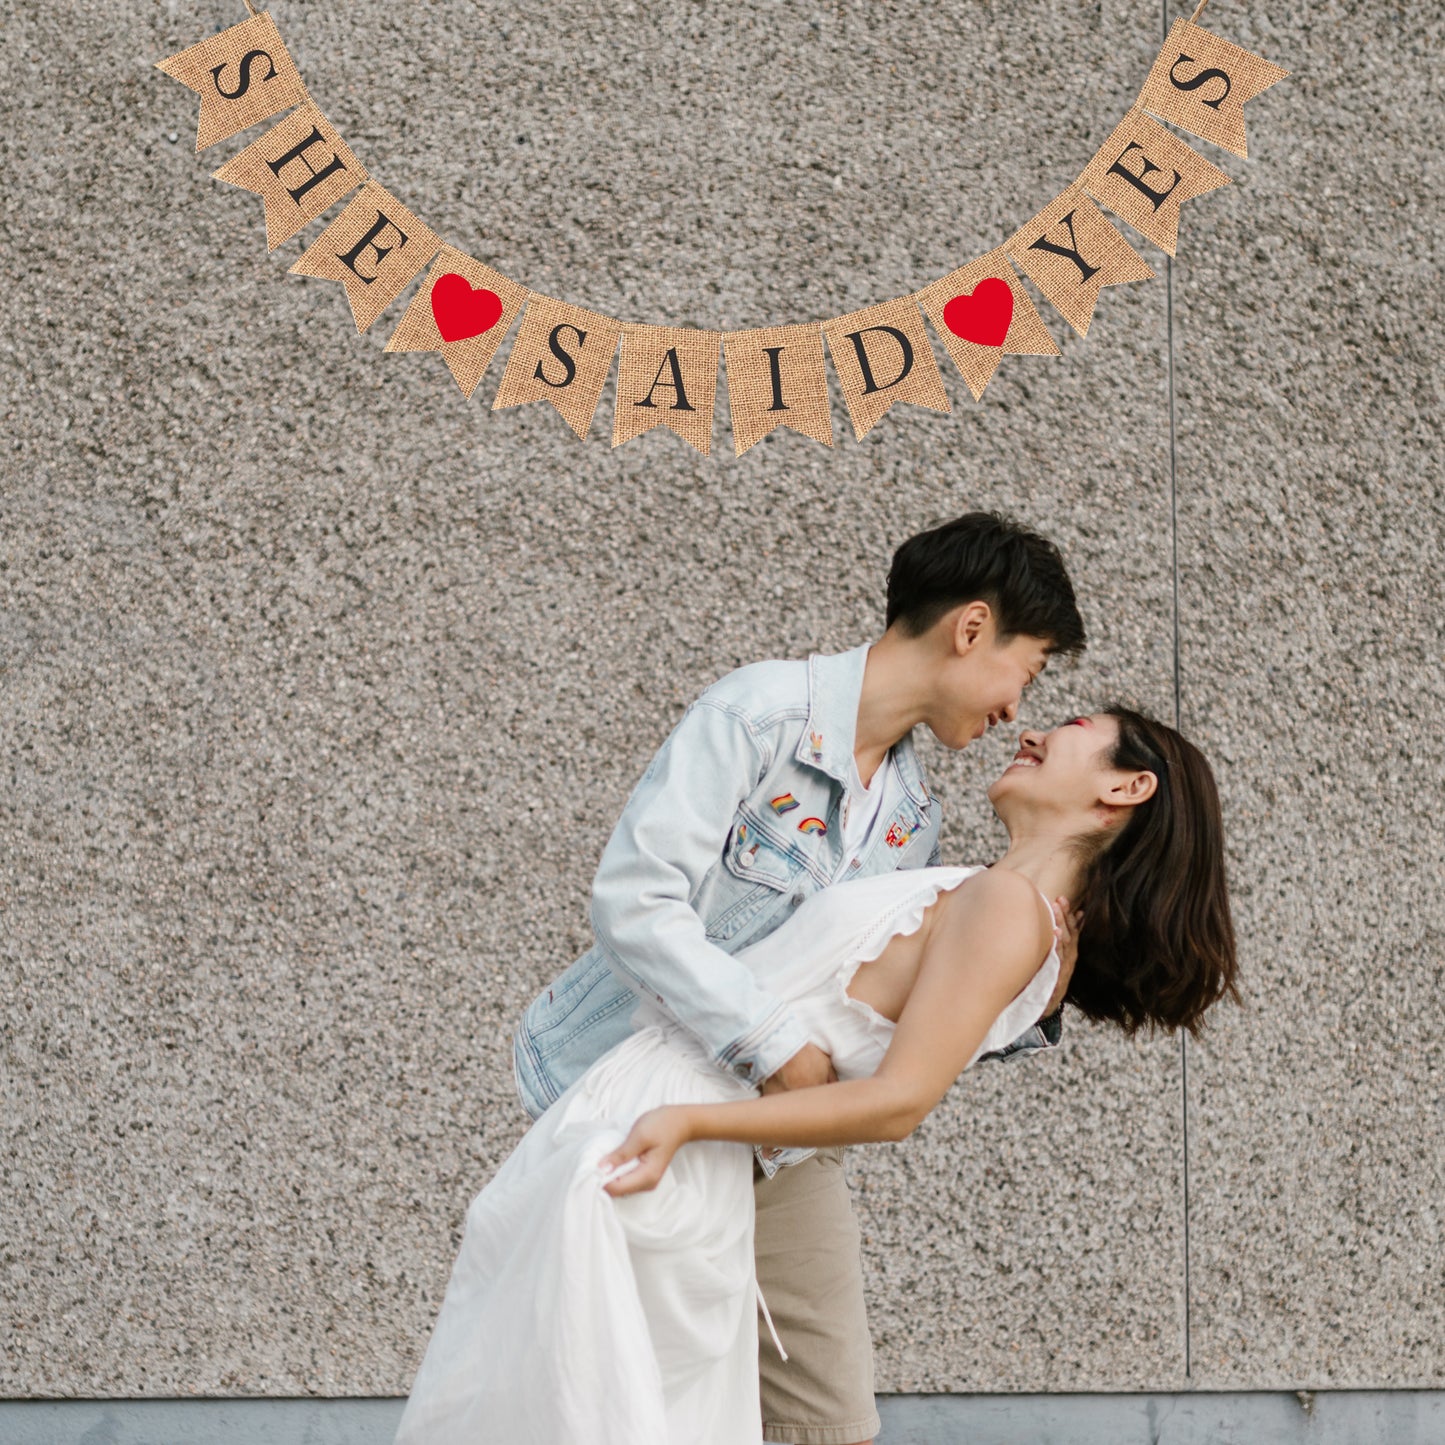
x=322 y=687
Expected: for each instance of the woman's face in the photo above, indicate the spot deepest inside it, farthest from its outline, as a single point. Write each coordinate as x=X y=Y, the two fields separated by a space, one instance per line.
x=1067 y=766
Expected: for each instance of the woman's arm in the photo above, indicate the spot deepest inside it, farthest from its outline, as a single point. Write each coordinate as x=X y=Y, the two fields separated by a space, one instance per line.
x=982 y=948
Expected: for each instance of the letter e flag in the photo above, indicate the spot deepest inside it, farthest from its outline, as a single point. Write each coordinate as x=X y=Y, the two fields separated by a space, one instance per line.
x=374 y=247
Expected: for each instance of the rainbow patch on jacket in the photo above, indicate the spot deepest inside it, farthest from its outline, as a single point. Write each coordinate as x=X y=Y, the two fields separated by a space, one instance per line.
x=812 y=825
x=785 y=804
x=900 y=833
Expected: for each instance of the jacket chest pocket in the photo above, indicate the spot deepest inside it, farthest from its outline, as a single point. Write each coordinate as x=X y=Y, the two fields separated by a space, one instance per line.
x=754 y=877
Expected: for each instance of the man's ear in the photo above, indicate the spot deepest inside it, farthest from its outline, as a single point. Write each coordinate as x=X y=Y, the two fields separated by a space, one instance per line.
x=971 y=625
x=1128 y=790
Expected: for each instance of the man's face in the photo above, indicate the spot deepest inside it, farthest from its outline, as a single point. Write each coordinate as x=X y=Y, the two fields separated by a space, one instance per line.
x=984 y=686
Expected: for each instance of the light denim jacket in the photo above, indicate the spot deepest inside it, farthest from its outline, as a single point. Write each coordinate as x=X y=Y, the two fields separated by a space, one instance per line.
x=709 y=855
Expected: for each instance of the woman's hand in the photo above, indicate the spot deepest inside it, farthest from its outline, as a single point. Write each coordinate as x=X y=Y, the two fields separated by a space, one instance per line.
x=1066 y=934
x=654 y=1139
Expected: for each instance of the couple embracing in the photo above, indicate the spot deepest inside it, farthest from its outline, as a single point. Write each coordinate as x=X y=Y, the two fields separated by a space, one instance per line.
x=784 y=966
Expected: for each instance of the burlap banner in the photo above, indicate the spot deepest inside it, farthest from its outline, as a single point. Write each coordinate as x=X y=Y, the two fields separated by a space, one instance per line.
x=562 y=354
x=667 y=377
x=777 y=377
x=243 y=75
x=1070 y=251
x=299 y=168
x=981 y=311
x=374 y=247
x=1145 y=174
x=1201 y=82
x=464 y=310
x=882 y=355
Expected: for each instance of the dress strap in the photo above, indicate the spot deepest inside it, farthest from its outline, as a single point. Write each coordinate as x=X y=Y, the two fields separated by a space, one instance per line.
x=763 y=1305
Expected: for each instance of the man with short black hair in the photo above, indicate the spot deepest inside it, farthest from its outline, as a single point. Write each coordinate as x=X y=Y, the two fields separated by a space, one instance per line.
x=781 y=778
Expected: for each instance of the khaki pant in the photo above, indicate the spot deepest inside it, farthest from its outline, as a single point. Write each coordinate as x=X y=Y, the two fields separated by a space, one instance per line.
x=811 y=1275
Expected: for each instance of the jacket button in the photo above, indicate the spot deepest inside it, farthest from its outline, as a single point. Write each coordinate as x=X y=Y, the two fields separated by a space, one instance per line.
x=746 y=861
x=796 y=899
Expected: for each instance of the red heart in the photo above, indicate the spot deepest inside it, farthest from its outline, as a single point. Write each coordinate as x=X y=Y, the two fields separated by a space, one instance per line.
x=983 y=314
x=459 y=311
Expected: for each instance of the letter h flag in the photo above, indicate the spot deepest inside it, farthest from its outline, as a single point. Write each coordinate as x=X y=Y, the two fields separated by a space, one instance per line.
x=243 y=75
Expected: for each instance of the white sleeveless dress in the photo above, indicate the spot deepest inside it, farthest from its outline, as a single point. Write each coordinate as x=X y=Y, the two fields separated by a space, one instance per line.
x=573 y=1318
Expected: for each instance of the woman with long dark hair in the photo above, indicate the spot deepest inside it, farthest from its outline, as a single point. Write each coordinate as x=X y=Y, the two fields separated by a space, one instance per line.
x=604 y=1291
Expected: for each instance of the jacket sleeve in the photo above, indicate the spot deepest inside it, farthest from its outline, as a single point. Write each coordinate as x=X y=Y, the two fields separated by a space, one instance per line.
x=673 y=829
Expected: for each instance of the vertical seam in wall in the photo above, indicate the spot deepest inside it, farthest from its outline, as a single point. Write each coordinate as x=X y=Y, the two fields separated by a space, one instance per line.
x=1178 y=711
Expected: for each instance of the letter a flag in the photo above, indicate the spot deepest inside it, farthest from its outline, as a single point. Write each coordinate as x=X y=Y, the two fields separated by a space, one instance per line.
x=562 y=354
x=1070 y=250
x=243 y=75
x=777 y=377
x=882 y=355
x=667 y=377
x=299 y=168
x=1201 y=82
x=982 y=311
x=1145 y=174
x=374 y=247
x=463 y=310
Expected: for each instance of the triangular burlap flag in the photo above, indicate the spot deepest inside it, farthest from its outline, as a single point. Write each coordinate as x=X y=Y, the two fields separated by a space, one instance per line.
x=667 y=377
x=562 y=354
x=243 y=75
x=981 y=311
x=1071 y=250
x=1145 y=173
x=1200 y=83
x=777 y=377
x=374 y=247
x=299 y=168
x=463 y=310
x=882 y=355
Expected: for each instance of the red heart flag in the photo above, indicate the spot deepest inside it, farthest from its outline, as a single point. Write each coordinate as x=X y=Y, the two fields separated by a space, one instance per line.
x=983 y=314
x=461 y=312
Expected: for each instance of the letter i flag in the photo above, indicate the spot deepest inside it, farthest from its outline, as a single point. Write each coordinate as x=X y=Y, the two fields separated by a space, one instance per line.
x=562 y=354
x=374 y=247
x=667 y=377
x=243 y=75
x=982 y=311
x=777 y=377
x=1200 y=83
x=299 y=168
x=1070 y=250
x=463 y=309
x=882 y=355
x=1145 y=174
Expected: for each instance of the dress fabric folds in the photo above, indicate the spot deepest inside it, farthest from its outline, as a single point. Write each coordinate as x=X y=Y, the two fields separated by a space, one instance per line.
x=573 y=1318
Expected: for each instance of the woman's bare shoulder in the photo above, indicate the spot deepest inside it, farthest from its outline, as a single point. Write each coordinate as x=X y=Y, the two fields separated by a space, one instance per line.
x=1009 y=906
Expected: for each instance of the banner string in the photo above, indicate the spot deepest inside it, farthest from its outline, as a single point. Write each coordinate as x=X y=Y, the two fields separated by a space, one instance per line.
x=255 y=12
x=1193 y=19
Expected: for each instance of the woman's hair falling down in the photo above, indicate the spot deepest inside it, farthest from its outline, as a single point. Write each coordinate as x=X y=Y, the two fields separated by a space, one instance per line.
x=1157 y=944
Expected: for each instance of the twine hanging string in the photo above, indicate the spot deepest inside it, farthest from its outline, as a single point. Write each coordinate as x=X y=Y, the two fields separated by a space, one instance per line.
x=1193 y=19
x=255 y=12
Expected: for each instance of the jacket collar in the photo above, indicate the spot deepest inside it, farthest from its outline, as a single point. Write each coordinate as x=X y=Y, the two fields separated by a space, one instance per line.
x=835 y=689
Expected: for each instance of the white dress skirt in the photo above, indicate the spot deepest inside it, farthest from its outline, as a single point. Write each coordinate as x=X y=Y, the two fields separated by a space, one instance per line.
x=573 y=1318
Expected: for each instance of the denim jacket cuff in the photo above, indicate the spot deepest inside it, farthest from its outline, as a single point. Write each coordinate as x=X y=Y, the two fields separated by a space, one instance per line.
x=1046 y=1034
x=764 y=1050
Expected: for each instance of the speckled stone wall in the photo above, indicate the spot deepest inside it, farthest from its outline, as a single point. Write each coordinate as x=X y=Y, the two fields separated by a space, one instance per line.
x=322 y=687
